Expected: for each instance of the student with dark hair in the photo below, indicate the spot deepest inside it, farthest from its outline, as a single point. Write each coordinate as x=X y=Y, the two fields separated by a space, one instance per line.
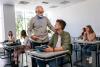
x=25 y=45
x=60 y=41
x=62 y=23
x=24 y=38
x=83 y=34
x=23 y=34
x=91 y=36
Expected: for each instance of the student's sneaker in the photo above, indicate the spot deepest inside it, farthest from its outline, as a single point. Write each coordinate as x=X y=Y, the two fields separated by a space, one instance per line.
x=25 y=66
x=90 y=60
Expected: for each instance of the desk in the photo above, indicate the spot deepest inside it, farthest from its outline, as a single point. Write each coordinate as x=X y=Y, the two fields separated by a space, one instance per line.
x=47 y=56
x=81 y=42
x=9 y=47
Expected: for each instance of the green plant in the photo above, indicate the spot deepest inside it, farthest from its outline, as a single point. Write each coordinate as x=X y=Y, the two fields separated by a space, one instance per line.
x=19 y=25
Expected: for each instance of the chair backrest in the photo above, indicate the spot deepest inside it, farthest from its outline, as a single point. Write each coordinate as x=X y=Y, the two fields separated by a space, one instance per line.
x=98 y=38
x=71 y=48
x=70 y=56
x=18 y=42
x=68 y=60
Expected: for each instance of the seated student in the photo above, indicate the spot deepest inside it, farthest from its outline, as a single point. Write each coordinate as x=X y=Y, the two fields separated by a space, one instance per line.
x=60 y=41
x=81 y=37
x=89 y=36
x=83 y=34
x=25 y=44
x=11 y=37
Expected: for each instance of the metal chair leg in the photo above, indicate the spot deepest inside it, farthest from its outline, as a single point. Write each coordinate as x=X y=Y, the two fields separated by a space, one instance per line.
x=71 y=61
x=26 y=59
x=22 y=61
x=98 y=60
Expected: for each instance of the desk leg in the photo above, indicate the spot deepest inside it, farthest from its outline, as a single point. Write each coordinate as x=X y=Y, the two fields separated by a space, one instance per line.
x=81 y=56
x=56 y=62
x=26 y=60
x=10 y=63
x=75 y=47
x=96 y=58
x=22 y=61
x=76 y=51
x=98 y=61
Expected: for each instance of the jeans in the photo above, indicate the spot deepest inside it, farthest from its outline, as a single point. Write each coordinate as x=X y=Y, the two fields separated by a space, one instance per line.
x=88 y=48
x=51 y=63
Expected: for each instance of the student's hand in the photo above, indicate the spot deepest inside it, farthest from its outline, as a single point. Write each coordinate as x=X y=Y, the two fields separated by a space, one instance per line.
x=49 y=49
x=34 y=37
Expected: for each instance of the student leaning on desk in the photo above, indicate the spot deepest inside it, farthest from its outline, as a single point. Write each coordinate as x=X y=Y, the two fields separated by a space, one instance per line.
x=89 y=35
x=25 y=45
x=10 y=40
x=11 y=37
x=60 y=41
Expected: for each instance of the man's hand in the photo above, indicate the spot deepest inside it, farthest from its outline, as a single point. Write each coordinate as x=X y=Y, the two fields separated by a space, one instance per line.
x=34 y=37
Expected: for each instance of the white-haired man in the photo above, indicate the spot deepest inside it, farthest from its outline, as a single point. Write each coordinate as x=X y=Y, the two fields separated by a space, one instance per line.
x=37 y=29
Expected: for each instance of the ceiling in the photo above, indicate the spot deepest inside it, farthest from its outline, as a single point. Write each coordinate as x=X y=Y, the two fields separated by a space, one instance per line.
x=46 y=3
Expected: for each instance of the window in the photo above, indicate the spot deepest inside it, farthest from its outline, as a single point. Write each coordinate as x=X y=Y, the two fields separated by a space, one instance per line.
x=22 y=19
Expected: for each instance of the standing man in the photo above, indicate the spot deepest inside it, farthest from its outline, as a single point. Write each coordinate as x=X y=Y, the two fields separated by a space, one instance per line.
x=37 y=29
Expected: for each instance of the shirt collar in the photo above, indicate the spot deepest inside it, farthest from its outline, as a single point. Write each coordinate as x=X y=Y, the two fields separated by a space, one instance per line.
x=39 y=17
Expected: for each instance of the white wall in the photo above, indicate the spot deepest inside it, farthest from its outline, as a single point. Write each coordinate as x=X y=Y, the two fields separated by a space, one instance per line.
x=78 y=15
x=9 y=19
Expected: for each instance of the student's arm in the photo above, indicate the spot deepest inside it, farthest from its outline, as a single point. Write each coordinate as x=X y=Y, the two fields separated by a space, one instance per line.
x=66 y=41
x=65 y=44
x=92 y=37
x=59 y=49
x=63 y=47
x=49 y=49
x=84 y=36
x=50 y=45
x=11 y=39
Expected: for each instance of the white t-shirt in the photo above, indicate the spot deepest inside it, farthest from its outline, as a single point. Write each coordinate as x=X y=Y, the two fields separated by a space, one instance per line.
x=25 y=41
x=58 y=42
